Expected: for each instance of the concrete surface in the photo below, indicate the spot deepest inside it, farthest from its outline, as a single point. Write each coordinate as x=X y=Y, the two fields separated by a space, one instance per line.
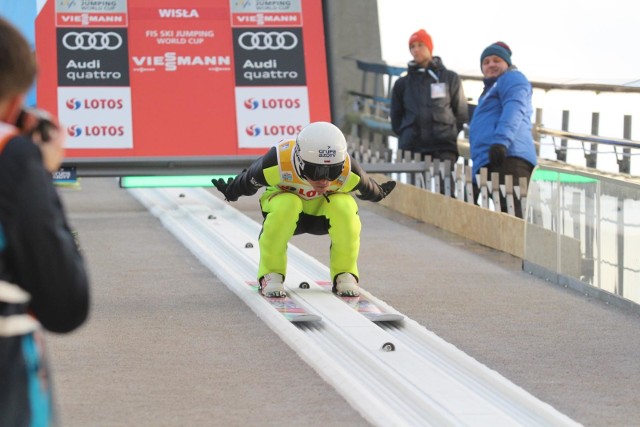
x=167 y=344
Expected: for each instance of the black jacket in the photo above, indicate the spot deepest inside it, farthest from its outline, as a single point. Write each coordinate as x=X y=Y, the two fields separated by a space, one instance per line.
x=38 y=258
x=425 y=124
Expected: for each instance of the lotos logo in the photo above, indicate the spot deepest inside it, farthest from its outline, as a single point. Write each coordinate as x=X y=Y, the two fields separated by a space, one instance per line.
x=282 y=130
x=73 y=104
x=253 y=130
x=281 y=103
x=251 y=104
x=95 y=104
x=95 y=130
x=74 y=130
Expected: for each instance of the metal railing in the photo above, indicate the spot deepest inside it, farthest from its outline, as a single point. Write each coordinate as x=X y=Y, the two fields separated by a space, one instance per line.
x=581 y=223
x=581 y=231
x=622 y=146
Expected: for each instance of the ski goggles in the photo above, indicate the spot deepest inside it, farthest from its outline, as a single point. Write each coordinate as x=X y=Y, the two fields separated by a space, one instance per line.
x=316 y=172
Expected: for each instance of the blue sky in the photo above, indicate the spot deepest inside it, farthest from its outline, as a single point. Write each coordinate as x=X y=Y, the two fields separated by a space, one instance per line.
x=550 y=39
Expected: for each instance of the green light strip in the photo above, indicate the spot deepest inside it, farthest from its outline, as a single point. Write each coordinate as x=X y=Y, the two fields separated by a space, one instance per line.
x=546 y=175
x=170 y=181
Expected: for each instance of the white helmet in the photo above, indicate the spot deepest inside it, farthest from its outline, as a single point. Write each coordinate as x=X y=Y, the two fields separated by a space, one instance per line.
x=320 y=152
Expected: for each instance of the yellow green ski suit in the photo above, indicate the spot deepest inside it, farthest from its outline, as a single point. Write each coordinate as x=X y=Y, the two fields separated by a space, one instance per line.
x=291 y=206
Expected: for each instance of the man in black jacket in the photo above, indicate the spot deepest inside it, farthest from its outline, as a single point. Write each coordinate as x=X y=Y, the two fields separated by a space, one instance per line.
x=428 y=104
x=43 y=282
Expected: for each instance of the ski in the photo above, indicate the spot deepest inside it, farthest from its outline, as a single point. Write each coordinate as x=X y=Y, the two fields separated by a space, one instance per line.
x=365 y=306
x=287 y=307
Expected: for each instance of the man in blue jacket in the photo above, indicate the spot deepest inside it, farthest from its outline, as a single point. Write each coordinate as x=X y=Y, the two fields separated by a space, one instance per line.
x=500 y=128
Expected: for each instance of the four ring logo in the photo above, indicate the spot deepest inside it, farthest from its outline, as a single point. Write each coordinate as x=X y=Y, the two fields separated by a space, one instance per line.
x=272 y=40
x=92 y=41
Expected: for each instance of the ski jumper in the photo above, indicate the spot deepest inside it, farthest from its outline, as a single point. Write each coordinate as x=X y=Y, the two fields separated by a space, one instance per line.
x=291 y=206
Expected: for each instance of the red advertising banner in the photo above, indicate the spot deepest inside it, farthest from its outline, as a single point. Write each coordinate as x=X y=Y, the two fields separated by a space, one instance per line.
x=163 y=78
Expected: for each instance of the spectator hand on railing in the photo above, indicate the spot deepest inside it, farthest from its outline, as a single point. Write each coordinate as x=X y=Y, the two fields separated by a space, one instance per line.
x=497 y=154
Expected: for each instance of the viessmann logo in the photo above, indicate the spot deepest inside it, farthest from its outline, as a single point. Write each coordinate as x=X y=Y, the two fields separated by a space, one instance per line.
x=92 y=40
x=271 y=40
x=170 y=61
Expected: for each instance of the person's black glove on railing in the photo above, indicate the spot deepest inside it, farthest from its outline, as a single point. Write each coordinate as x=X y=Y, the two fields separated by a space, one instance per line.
x=497 y=154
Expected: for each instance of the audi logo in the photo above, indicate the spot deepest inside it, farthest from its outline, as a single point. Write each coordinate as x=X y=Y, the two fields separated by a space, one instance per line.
x=92 y=41
x=273 y=40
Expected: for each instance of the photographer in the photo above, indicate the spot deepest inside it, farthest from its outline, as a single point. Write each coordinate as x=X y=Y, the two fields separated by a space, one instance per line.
x=43 y=282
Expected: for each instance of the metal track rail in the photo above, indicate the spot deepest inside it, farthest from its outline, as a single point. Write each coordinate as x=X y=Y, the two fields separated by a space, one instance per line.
x=423 y=381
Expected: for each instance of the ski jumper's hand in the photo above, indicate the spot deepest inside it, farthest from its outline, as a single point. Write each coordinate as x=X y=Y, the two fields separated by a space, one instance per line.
x=387 y=187
x=383 y=191
x=222 y=187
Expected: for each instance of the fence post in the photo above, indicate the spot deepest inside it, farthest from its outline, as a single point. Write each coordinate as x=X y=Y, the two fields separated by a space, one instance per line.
x=437 y=175
x=508 y=190
x=624 y=163
x=620 y=249
x=468 y=180
x=592 y=157
x=448 y=191
x=459 y=187
x=428 y=172
x=537 y=125
x=561 y=153
x=483 y=188
x=495 y=191
x=523 y=193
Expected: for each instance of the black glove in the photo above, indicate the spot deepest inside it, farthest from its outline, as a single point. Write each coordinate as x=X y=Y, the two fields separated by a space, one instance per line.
x=387 y=187
x=222 y=187
x=497 y=154
x=383 y=191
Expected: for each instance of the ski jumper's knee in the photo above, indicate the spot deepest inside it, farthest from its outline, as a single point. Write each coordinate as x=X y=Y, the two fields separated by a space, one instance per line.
x=283 y=210
x=344 y=231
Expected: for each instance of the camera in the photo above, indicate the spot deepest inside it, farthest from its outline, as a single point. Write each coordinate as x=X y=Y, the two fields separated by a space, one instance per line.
x=43 y=128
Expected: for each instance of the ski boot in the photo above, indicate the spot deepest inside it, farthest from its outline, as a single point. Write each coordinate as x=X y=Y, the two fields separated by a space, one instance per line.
x=272 y=285
x=346 y=285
